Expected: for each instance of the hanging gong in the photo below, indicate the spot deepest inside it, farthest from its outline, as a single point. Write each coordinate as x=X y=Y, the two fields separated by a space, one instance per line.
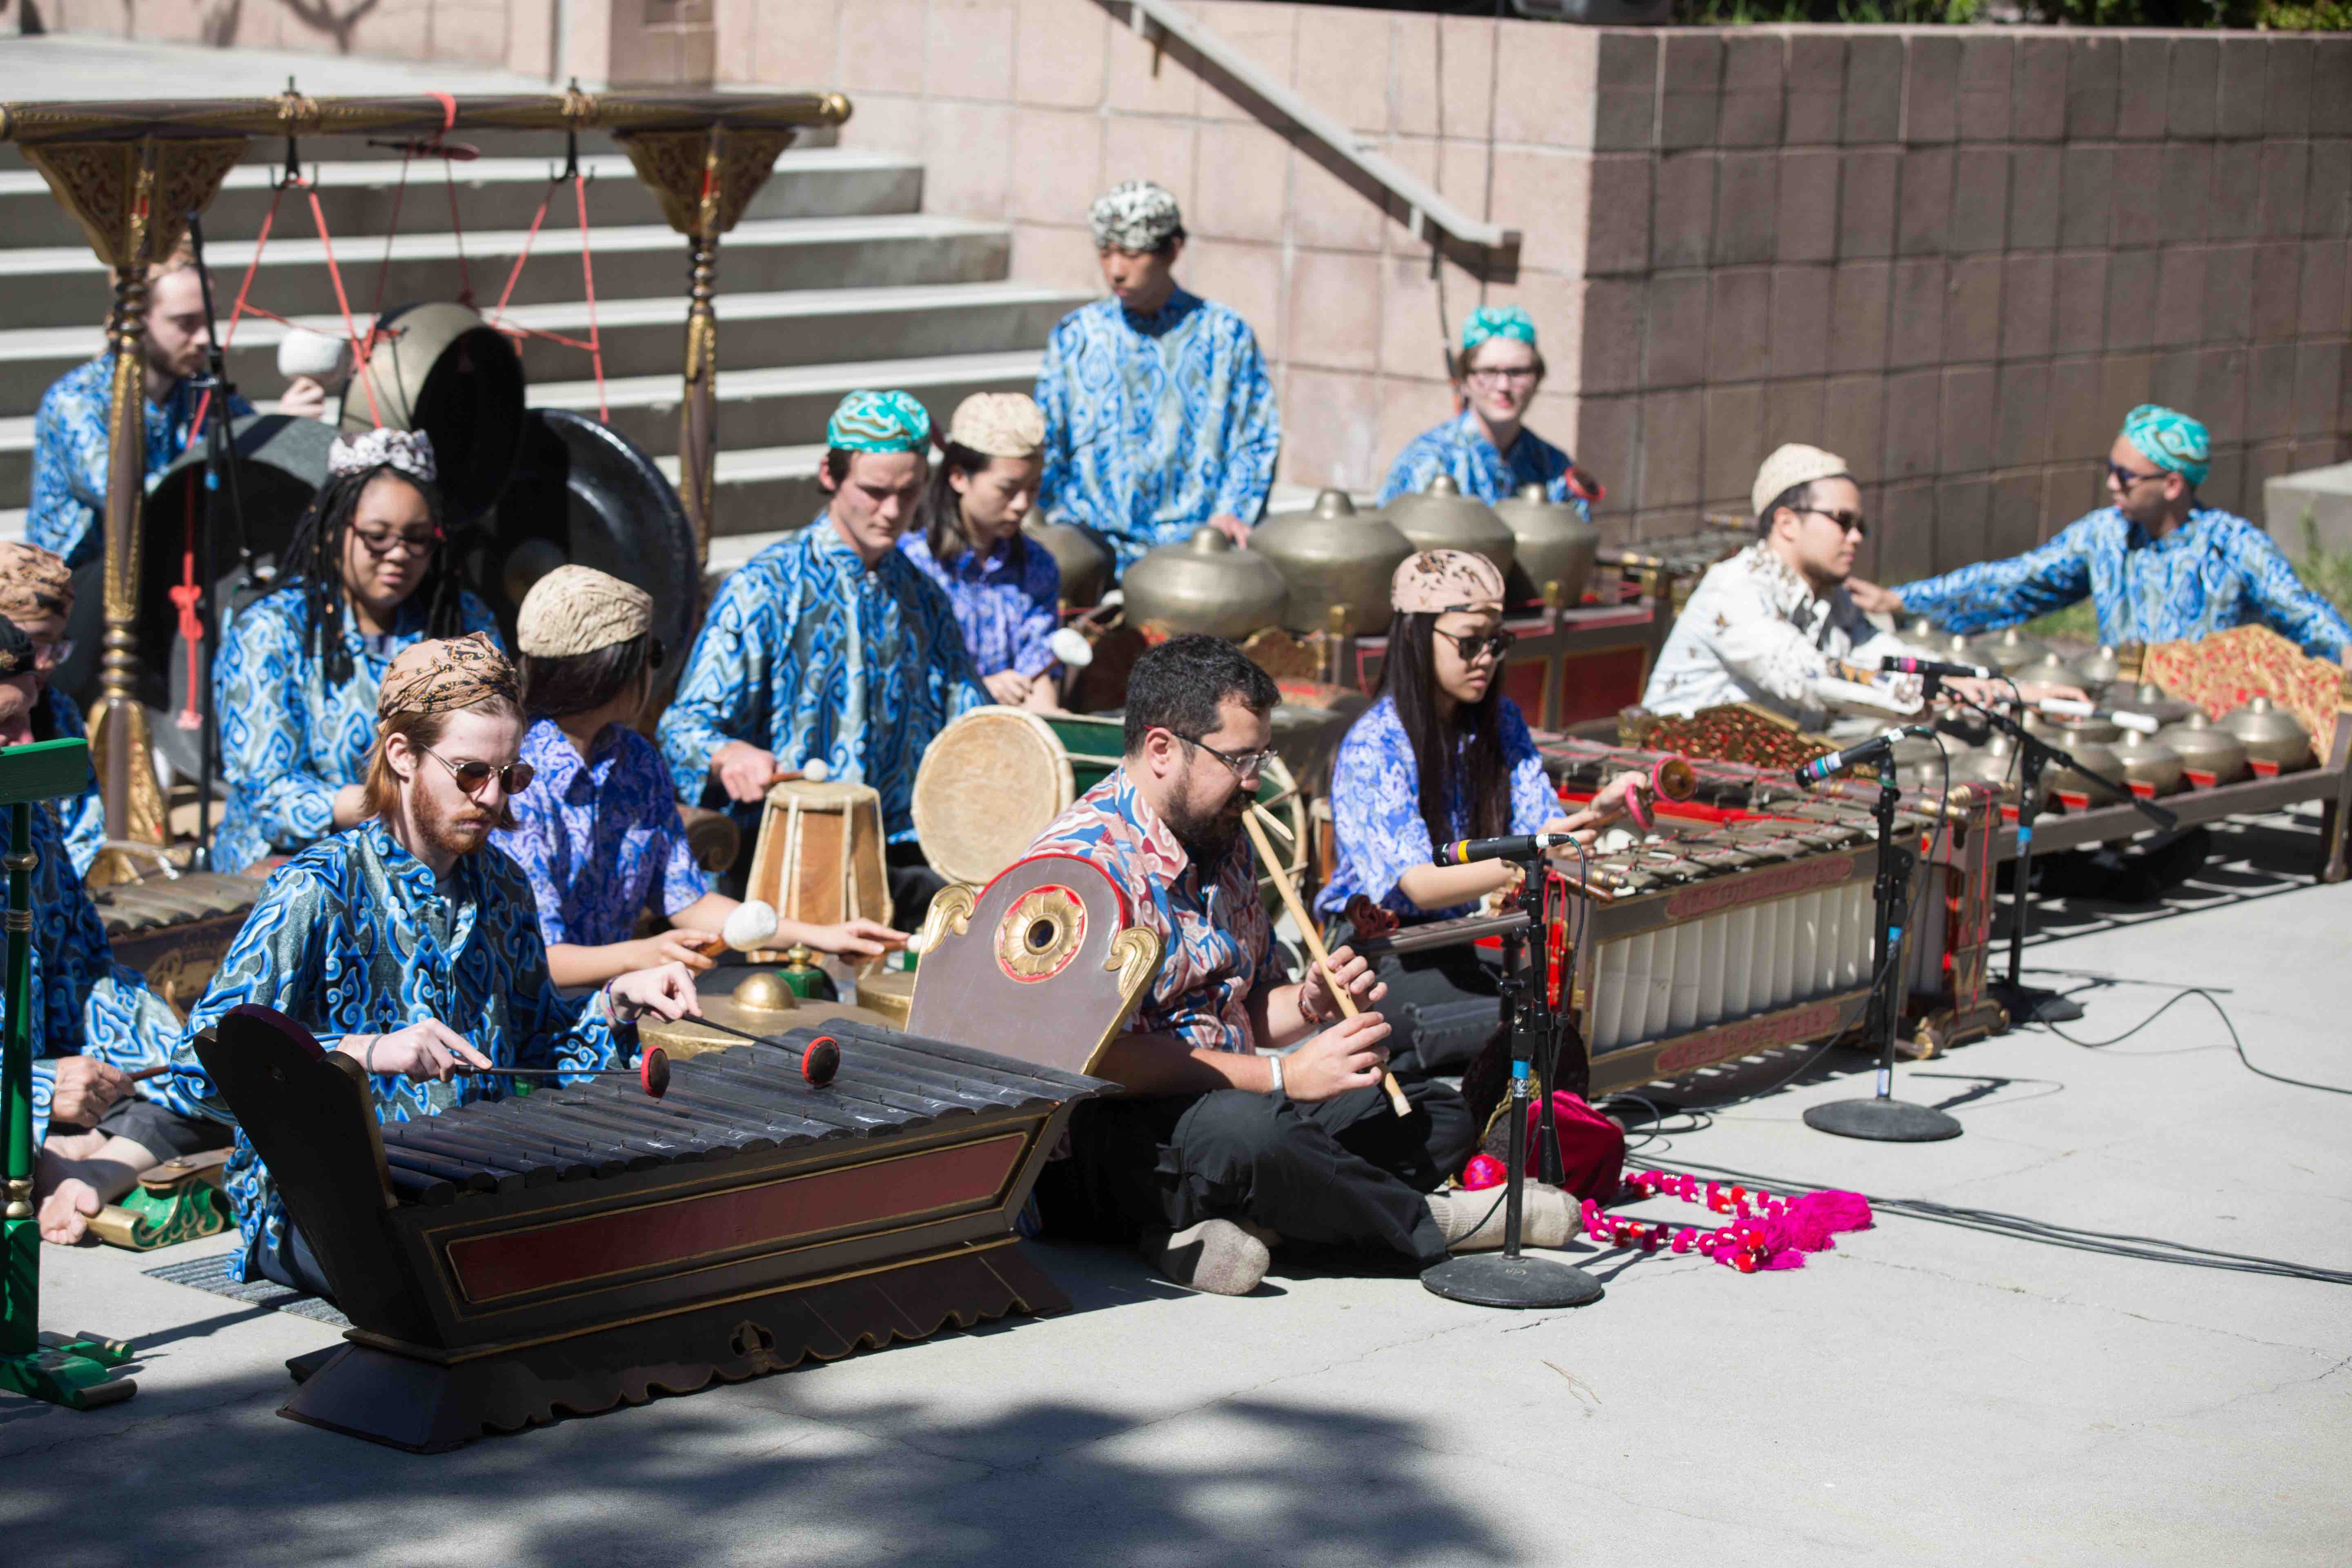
x=583 y=494
x=441 y=369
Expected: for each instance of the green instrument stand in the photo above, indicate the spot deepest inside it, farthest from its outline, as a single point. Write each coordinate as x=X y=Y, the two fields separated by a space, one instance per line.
x=77 y=1372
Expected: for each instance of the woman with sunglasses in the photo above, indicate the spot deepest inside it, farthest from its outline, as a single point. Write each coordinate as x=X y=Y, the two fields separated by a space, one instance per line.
x=593 y=823
x=364 y=576
x=1486 y=447
x=1441 y=755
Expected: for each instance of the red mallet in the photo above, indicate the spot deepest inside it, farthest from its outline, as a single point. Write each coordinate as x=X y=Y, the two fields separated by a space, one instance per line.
x=1671 y=778
x=820 y=1058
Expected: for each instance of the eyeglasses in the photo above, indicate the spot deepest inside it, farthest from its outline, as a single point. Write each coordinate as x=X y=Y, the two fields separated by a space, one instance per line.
x=1247 y=765
x=2124 y=479
x=1472 y=644
x=473 y=776
x=1525 y=374
x=1847 y=521
x=49 y=654
x=381 y=545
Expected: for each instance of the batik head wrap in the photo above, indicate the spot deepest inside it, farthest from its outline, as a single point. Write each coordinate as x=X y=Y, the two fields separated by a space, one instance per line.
x=442 y=676
x=1790 y=466
x=577 y=609
x=1436 y=581
x=407 y=451
x=2172 y=440
x=34 y=583
x=1138 y=215
x=999 y=424
x=16 y=649
x=1498 y=322
x=880 y=421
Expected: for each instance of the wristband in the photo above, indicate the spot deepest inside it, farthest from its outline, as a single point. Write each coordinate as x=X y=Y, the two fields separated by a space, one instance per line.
x=613 y=1004
x=367 y=1059
x=1277 y=1090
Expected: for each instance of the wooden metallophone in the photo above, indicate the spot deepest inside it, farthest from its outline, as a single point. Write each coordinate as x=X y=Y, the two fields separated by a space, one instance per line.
x=572 y=1249
x=1753 y=930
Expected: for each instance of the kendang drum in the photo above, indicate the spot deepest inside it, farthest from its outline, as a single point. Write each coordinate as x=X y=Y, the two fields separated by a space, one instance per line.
x=997 y=777
x=819 y=854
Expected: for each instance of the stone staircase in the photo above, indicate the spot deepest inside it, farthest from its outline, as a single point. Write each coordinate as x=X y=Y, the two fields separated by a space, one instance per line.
x=835 y=280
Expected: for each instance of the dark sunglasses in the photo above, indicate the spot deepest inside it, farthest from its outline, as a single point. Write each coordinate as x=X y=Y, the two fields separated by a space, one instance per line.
x=1849 y=521
x=474 y=777
x=1472 y=644
x=2125 y=478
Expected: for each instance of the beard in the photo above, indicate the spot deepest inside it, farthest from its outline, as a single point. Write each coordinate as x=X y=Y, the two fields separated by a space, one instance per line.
x=1207 y=832
x=457 y=830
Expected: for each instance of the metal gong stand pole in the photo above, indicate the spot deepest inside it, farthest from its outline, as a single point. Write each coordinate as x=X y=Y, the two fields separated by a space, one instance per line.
x=1509 y=1278
x=1883 y=1118
x=220 y=476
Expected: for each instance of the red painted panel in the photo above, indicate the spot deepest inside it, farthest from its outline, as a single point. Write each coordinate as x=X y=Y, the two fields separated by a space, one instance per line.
x=688 y=1230
x=1596 y=684
x=1523 y=680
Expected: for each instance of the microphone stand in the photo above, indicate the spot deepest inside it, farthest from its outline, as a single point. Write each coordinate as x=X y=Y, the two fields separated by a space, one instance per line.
x=220 y=473
x=1508 y=1278
x=2032 y=1003
x=1883 y=1118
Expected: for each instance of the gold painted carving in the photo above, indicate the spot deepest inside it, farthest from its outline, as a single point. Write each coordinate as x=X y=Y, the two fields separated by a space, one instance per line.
x=1040 y=933
x=950 y=915
x=1134 y=953
x=99 y=184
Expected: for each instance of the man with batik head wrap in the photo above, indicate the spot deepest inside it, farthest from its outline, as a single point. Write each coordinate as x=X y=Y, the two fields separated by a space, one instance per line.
x=2158 y=563
x=399 y=943
x=36 y=592
x=1159 y=416
x=831 y=647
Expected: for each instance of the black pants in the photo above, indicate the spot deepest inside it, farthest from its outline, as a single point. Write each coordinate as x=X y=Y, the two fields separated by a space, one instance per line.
x=1442 y=1004
x=166 y=1134
x=290 y=1263
x=1346 y=1172
x=913 y=884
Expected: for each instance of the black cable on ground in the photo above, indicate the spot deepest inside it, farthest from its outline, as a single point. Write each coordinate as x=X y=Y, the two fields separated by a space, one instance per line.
x=2182 y=993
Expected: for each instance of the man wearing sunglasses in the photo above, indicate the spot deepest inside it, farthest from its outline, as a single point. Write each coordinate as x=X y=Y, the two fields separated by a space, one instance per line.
x=401 y=944
x=2158 y=563
x=1217 y=1153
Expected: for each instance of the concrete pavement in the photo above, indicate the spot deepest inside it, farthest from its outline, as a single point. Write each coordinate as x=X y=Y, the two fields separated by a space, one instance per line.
x=1923 y=1393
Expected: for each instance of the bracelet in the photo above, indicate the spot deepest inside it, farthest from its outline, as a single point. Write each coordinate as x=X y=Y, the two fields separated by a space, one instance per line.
x=614 y=1004
x=1277 y=1090
x=367 y=1058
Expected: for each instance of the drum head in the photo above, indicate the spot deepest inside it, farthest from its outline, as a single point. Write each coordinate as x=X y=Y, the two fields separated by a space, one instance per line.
x=990 y=782
x=583 y=494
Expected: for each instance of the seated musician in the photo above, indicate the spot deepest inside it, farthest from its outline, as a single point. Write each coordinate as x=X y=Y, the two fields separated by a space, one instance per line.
x=365 y=575
x=598 y=833
x=1441 y=755
x=400 y=944
x=967 y=539
x=831 y=645
x=1775 y=625
x=94 y=1022
x=36 y=592
x=2158 y=563
x=1486 y=447
x=1159 y=415
x=1215 y=1153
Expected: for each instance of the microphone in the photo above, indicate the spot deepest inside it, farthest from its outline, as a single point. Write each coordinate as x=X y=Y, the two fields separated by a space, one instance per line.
x=2121 y=719
x=1861 y=751
x=1894 y=664
x=1517 y=846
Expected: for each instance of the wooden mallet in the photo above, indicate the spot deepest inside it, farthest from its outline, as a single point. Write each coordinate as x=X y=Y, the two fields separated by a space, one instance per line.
x=1314 y=939
x=652 y=1072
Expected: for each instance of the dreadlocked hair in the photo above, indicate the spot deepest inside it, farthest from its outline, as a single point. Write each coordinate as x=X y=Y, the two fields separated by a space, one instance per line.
x=314 y=558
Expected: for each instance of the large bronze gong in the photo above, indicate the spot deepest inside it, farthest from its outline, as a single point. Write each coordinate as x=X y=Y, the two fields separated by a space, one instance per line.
x=441 y=369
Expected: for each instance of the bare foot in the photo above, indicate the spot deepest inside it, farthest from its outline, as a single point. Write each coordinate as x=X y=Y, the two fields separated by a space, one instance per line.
x=65 y=1212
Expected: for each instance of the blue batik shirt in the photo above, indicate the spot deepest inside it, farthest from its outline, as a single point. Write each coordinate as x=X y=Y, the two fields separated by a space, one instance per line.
x=83 y=1001
x=1376 y=807
x=356 y=936
x=1008 y=614
x=1155 y=423
x=69 y=455
x=1460 y=447
x=599 y=837
x=83 y=815
x=2214 y=571
x=808 y=653
x=287 y=742
x=1216 y=943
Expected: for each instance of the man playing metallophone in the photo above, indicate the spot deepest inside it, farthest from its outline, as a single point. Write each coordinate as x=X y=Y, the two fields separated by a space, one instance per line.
x=399 y=943
x=833 y=646
x=1775 y=625
x=2159 y=563
x=1216 y=1152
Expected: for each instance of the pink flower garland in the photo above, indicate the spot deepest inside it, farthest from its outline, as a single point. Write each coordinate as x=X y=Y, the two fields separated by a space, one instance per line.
x=1766 y=1233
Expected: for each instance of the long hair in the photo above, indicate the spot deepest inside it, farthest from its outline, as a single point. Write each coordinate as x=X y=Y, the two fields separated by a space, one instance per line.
x=557 y=686
x=381 y=789
x=314 y=557
x=1409 y=675
x=940 y=515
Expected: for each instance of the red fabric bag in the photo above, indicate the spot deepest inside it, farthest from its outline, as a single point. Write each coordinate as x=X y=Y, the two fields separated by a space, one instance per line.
x=1592 y=1150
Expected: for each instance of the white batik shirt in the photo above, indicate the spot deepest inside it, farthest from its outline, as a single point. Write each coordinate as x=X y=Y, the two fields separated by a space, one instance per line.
x=1754 y=632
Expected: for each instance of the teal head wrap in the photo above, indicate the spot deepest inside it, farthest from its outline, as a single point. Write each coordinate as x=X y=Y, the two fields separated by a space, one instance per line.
x=2171 y=440
x=880 y=421
x=1498 y=322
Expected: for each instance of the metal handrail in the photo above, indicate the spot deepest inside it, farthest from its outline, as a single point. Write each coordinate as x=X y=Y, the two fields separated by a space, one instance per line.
x=1428 y=214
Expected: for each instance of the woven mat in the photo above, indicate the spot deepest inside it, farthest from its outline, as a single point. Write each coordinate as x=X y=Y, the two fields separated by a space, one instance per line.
x=211 y=1275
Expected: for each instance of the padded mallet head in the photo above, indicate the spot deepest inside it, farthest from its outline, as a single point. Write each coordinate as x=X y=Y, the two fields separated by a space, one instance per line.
x=820 y=1059
x=749 y=926
x=652 y=1070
